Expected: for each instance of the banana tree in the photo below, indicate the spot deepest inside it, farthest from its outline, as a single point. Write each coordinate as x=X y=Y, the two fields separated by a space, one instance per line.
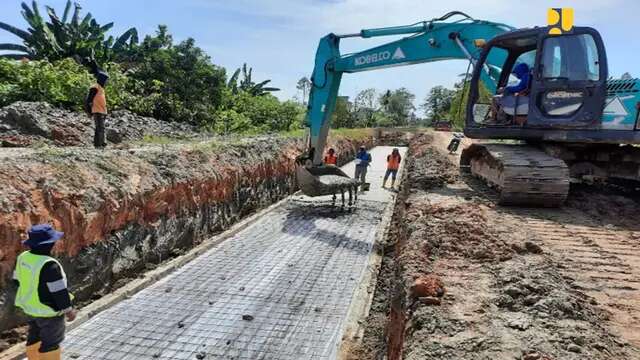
x=68 y=36
x=247 y=84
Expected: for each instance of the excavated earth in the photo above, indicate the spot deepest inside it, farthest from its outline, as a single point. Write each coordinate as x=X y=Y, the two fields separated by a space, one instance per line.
x=464 y=278
x=37 y=123
x=125 y=210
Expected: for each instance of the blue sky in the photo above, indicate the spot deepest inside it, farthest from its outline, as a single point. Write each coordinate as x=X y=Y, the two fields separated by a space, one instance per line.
x=278 y=37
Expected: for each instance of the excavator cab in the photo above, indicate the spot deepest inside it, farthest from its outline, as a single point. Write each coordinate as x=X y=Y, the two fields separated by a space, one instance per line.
x=566 y=89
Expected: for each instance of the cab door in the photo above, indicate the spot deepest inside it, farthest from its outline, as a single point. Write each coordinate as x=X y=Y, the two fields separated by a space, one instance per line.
x=569 y=81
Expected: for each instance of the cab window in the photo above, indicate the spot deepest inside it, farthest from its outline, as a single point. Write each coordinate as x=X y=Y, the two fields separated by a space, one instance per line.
x=570 y=57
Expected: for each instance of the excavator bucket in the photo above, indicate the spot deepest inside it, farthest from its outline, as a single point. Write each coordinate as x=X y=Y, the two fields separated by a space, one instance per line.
x=324 y=180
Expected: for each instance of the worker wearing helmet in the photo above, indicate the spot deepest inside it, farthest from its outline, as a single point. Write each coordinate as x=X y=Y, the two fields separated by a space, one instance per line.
x=393 y=164
x=96 y=107
x=508 y=98
x=43 y=294
x=520 y=71
x=331 y=158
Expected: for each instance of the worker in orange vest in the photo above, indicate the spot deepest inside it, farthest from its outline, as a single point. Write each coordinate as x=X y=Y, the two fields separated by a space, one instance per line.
x=331 y=158
x=393 y=164
x=96 y=107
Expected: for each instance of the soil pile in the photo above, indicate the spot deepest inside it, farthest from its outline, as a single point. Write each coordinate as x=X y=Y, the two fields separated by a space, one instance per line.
x=500 y=291
x=32 y=123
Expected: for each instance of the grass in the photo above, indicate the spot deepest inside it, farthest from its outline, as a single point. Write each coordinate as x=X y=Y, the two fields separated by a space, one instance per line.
x=215 y=143
x=356 y=134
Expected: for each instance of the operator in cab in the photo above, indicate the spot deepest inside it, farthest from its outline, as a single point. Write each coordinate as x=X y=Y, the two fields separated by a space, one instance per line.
x=507 y=99
x=331 y=158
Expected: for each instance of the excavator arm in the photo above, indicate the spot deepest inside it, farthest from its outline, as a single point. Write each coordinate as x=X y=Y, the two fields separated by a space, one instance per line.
x=429 y=41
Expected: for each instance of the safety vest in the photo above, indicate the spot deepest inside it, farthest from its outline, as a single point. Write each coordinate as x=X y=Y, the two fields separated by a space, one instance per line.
x=28 y=267
x=99 y=105
x=393 y=163
x=331 y=160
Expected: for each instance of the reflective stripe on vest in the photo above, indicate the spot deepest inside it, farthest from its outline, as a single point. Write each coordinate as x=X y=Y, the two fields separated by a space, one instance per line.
x=99 y=105
x=393 y=163
x=28 y=268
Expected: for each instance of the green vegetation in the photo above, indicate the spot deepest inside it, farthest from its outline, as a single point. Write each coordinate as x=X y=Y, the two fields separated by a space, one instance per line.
x=167 y=80
x=68 y=36
x=246 y=83
x=370 y=109
x=155 y=77
x=442 y=104
x=437 y=104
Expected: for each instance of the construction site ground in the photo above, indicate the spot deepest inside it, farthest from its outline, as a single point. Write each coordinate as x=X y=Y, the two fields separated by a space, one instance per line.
x=281 y=288
x=465 y=278
x=460 y=277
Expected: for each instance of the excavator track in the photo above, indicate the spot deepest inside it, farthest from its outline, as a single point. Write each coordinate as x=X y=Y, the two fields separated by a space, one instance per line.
x=524 y=175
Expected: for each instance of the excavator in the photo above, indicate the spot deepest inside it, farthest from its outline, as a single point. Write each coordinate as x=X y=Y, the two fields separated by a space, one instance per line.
x=572 y=121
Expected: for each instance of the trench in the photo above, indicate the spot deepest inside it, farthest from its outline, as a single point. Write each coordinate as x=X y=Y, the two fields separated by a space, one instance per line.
x=171 y=219
x=398 y=314
x=389 y=320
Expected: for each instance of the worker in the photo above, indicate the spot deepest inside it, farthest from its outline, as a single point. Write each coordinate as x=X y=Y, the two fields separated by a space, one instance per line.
x=331 y=158
x=96 y=107
x=520 y=71
x=393 y=164
x=363 y=160
x=43 y=294
x=507 y=97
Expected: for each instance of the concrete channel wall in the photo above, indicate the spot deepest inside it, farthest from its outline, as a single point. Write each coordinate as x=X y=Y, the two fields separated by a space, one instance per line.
x=124 y=211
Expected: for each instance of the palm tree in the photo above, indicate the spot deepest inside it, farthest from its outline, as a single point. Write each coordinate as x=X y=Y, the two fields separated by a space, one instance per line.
x=69 y=36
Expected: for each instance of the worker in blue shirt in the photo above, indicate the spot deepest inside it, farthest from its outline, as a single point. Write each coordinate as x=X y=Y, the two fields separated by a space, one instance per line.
x=363 y=160
x=507 y=99
x=521 y=71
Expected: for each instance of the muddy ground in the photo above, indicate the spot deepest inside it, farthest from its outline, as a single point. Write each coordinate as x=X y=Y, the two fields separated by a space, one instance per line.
x=464 y=278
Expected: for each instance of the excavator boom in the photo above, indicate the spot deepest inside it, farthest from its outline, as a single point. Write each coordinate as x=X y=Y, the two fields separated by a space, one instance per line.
x=572 y=116
x=434 y=40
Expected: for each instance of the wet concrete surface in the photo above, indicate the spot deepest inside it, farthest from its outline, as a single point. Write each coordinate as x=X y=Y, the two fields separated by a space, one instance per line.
x=278 y=289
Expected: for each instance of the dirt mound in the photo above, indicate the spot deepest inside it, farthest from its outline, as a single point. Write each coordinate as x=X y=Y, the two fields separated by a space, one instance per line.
x=29 y=123
x=433 y=169
x=606 y=205
x=507 y=295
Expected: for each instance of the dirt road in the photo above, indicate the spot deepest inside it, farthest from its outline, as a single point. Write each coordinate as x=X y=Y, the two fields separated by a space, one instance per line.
x=506 y=283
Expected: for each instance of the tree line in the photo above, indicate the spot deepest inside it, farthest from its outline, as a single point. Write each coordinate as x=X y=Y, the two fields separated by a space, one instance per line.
x=177 y=81
x=153 y=76
x=393 y=108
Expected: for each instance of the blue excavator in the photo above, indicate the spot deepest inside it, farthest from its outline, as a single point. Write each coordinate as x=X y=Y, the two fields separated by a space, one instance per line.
x=571 y=122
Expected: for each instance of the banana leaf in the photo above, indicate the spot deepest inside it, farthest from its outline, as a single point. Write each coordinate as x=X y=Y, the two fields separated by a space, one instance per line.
x=15 y=31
